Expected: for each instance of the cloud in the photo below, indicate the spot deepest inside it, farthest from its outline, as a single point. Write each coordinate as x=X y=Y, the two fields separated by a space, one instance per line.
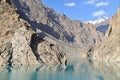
x=91 y=2
x=99 y=13
x=72 y=4
x=100 y=4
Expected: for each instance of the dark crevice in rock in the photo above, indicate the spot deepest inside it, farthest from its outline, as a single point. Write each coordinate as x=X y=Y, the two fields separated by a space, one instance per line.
x=6 y=1
x=35 y=40
x=9 y=2
x=110 y=31
x=28 y=27
x=51 y=45
x=90 y=54
x=10 y=51
x=94 y=41
x=60 y=56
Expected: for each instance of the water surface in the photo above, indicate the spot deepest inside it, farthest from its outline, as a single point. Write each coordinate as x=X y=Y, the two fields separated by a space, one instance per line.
x=70 y=72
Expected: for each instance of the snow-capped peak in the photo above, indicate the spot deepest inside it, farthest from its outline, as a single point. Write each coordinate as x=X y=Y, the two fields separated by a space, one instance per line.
x=99 y=20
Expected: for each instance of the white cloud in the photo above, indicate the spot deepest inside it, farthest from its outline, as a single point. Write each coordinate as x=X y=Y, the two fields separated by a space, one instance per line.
x=72 y=4
x=99 y=13
x=100 y=4
x=91 y=2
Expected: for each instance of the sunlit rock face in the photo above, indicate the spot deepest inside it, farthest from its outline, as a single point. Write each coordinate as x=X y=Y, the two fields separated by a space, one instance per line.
x=57 y=25
x=36 y=34
x=20 y=45
x=62 y=29
x=109 y=50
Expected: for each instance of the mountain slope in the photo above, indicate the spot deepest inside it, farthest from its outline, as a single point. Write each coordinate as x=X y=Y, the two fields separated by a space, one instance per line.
x=109 y=50
x=40 y=34
x=101 y=24
x=20 y=45
x=59 y=26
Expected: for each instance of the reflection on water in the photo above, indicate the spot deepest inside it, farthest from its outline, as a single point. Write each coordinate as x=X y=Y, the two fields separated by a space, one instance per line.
x=109 y=71
x=71 y=72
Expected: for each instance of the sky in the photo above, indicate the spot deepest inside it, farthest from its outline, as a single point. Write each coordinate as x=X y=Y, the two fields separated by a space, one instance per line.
x=84 y=10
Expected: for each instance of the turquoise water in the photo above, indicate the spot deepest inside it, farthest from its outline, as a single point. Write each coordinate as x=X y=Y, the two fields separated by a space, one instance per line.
x=71 y=72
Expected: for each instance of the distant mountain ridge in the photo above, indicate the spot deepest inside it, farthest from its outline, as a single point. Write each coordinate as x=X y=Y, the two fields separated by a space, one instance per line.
x=98 y=21
x=101 y=24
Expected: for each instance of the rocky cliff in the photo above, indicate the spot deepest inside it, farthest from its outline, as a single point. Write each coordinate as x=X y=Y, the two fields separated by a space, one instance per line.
x=20 y=45
x=57 y=25
x=76 y=38
x=32 y=33
x=109 y=50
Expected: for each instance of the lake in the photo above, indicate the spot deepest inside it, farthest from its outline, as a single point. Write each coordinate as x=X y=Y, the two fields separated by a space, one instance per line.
x=81 y=71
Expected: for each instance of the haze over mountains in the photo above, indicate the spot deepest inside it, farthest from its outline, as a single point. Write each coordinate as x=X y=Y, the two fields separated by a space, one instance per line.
x=36 y=34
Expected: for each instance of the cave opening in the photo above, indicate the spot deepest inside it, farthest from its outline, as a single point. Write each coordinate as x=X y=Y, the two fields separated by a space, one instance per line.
x=35 y=40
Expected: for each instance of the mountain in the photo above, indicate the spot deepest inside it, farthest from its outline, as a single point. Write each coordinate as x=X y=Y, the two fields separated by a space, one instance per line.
x=98 y=21
x=36 y=34
x=74 y=36
x=101 y=24
x=109 y=50
x=57 y=25
x=20 y=45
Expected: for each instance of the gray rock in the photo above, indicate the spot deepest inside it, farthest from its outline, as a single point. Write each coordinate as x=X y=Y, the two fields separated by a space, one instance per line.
x=108 y=51
x=20 y=45
x=36 y=34
x=57 y=25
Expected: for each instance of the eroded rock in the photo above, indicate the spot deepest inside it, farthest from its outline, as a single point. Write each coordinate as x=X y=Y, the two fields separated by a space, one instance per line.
x=20 y=45
x=109 y=50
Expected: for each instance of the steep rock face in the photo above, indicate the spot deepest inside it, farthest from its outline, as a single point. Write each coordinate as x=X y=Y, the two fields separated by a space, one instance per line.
x=109 y=50
x=20 y=45
x=55 y=34
x=59 y=26
x=7 y=29
x=14 y=38
x=21 y=52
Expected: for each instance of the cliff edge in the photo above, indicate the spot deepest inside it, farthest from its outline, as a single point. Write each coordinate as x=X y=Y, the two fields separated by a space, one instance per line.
x=109 y=50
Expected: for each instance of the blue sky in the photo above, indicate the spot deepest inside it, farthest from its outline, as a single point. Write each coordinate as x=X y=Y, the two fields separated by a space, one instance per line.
x=84 y=10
